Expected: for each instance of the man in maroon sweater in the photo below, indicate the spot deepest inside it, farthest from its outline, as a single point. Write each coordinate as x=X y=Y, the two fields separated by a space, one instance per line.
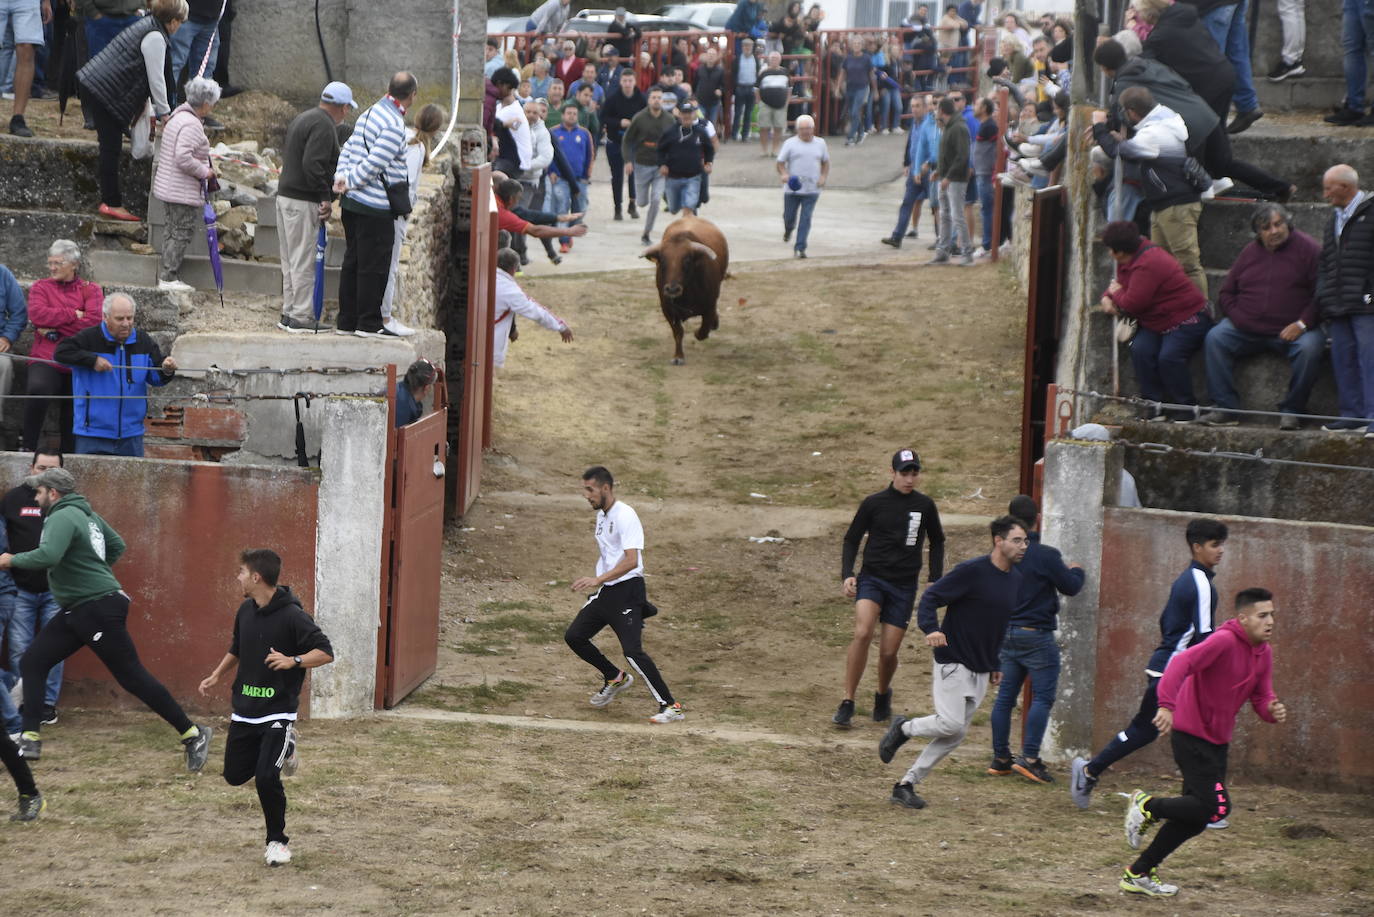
x=1151 y=287
x=1269 y=302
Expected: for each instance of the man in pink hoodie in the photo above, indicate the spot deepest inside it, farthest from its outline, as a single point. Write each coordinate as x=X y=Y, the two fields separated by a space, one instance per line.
x=1201 y=692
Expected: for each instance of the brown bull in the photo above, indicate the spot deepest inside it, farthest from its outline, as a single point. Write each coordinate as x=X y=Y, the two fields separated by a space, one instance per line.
x=692 y=259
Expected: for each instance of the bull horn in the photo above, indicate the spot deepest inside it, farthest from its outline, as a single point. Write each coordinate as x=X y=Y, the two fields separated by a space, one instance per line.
x=652 y=251
x=704 y=249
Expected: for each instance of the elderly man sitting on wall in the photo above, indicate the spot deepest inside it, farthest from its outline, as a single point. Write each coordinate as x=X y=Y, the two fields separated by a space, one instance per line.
x=1268 y=300
x=112 y=367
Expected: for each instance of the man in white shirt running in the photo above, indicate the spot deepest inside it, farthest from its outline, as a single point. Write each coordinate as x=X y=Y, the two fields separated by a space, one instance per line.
x=512 y=301
x=618 y=600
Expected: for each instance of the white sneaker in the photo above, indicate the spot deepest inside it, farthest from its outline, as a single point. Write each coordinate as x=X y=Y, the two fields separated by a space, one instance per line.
x=1219 y=825
x=1138 y=821
x=398 y=328
x=1029 y=150
x=669 y=714
x=277 y=854
x=1034 y=167
x=15 y=737
x=175 y=286
x=611 y=688
x=17 y=693
x=1219 y=186
x=7 y=96
x=1148 y=885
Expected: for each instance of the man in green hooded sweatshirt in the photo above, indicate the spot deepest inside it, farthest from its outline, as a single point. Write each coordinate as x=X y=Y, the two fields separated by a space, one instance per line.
x=77 y=548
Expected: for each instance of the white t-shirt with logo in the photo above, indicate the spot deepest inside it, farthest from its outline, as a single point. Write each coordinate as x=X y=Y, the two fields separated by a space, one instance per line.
x=618 y=531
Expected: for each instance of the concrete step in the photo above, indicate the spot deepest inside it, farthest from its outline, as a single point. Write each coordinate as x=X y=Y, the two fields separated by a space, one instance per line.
x=239 y=276
x=60 y=175
x=1304 y=93
x=1224 y=228
x=1299 y=147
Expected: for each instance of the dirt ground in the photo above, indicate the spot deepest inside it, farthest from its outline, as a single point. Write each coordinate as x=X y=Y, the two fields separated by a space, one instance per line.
x=496 y=789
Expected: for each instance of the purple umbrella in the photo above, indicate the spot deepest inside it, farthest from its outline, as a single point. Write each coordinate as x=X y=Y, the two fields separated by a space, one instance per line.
x=212 y=240
x=321 y=241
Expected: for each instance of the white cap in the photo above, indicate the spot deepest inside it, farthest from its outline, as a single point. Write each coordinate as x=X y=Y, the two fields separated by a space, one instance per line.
x=337 y=93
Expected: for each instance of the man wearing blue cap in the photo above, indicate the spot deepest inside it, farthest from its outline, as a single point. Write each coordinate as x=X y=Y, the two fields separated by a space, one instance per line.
x=803 y=166
x=304 y=196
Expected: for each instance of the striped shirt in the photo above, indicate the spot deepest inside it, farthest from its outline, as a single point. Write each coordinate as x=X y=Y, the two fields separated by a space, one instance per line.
x=374 y=152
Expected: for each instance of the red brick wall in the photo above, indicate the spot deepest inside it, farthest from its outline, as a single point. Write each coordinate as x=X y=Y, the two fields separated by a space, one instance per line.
x=1322 y=576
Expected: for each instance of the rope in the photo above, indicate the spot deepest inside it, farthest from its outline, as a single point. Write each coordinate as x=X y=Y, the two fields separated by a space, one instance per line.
x=1163 y=405
x=211 y=397
x=265 y=370
x=1256 y=456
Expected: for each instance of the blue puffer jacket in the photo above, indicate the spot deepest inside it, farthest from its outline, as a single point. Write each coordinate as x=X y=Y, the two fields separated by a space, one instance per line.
x=112 y=404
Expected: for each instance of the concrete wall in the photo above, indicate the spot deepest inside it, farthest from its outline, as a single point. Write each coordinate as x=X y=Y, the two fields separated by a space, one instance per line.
x=1321 y=576
x=348 y=578
x=185 y=524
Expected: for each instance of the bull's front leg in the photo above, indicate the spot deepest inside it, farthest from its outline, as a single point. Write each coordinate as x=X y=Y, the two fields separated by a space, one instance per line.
x=678 y=358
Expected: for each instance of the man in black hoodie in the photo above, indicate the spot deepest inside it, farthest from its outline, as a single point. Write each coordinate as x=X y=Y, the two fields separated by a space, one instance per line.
x=274 y=642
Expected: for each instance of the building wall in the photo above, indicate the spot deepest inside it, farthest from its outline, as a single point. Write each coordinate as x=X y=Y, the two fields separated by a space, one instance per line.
x=1321 y=576
x=185 y=524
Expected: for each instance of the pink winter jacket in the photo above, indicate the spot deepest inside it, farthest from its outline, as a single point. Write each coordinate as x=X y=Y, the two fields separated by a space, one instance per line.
x=1206 y=685
x=183 y=160
x=53 y=305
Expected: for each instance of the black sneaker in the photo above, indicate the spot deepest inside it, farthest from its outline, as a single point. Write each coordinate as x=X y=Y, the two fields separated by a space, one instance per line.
x=1344 y=116
x=999 y=767
x=30 y=749
x=198 y=749
x=293 y=326
x=213 y=124
x=890 y=240
x=29 y=807
x=1343 y=426
x=882 y=707
x=787 y=234
x=1283 y=71
x=892 y=740
x=49 y=715
x=1033 y=770
x=19 y=127
x=644 y=240
x=844 y=714
x=618 y=216
x=904 y=795
x=634 y=214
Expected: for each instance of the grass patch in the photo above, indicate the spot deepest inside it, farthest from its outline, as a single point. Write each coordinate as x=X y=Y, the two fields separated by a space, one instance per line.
x=474 y=698
x=816 y=350
x=533 y=630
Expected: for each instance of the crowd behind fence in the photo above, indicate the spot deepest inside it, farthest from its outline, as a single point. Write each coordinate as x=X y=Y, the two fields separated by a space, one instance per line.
x=817 y=72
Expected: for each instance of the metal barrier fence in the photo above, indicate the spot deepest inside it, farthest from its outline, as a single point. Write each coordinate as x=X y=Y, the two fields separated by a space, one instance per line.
x=817 y=75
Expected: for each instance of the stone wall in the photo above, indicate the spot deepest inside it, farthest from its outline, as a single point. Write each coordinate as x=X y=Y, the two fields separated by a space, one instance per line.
x=423 y=276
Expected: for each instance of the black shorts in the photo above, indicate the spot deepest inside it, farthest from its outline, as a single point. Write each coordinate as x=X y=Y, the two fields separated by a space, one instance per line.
x=255 y=748
x=895 y=602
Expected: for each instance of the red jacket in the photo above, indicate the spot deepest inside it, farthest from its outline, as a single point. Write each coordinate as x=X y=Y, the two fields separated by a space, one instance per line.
x=1206 y=685
x=1155 y=291
x=568 y=70
x=53 y=306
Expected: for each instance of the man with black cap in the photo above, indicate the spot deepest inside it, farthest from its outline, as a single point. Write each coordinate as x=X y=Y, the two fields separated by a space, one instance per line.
x=77 y=549
x=897 y=521
x=685 y=153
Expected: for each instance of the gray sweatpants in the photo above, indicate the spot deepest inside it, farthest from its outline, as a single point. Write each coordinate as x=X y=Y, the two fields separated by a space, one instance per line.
x=957 y=691
x=648 y=193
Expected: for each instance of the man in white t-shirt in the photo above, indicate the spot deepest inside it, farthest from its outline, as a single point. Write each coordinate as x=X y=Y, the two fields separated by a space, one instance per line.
x=618 y=600
x=514 y=147
x=803 y=166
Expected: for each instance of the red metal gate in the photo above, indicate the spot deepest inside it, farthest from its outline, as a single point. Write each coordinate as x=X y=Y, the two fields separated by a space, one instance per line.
x=408 y=642
x=475 y=417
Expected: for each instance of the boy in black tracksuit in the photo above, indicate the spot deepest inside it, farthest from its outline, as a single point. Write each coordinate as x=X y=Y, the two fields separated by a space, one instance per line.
x=274 y=642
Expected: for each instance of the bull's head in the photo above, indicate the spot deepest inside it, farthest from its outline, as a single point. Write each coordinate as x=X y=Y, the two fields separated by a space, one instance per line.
x=670 y=269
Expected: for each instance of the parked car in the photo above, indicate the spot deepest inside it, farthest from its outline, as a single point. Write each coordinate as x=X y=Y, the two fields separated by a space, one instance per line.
x=505 y=25
x=600 y=20
x=711 y=16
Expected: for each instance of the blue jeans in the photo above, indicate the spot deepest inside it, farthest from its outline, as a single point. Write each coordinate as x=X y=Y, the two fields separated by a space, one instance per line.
x=1227 y=25
x=1033 y=655
x=9 y=714
x=890 y=109
x=1226 y=343
x=100 y=31
x=32 y=612
x=711 y=111
x=1352 y=358
x=796 y=212
x=188 y=48
x=567 y=197
x=683 y=192
x=743 y=113
x=915 y=191
x=854 y=100
x=1161 y=360
x=987 y=186
x=1357 y=39
x=130 y=446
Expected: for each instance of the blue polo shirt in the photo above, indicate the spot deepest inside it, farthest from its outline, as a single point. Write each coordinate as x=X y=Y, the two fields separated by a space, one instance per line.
x=576 y=144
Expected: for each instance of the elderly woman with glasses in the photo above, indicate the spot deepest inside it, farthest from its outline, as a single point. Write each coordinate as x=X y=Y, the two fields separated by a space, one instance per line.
x=60 y=305
x=183 y=166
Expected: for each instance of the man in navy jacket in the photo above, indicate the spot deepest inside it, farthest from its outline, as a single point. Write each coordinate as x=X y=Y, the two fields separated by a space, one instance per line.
x=112 y=367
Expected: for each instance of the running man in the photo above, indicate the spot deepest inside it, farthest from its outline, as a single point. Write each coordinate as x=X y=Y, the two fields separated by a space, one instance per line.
x=1029 y=650
x=1200 y=695
x=978 y=596
x=31 y=802
x=274 y=642
x=617 y=599
x=1186 y=621
x=77 y=548
x=897 y=520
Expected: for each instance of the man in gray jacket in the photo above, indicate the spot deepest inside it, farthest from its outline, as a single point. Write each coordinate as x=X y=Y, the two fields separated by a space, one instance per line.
x=952 y=169
x=304 y=196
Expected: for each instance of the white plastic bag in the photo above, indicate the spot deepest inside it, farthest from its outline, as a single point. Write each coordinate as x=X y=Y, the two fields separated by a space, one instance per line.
x=142 y=138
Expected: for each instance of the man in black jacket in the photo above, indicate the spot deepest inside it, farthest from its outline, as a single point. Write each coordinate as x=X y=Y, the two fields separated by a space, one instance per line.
x=684 y=155
x=623 y=102
x=1345 y=296
x=897 y=521
x=274 y=642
